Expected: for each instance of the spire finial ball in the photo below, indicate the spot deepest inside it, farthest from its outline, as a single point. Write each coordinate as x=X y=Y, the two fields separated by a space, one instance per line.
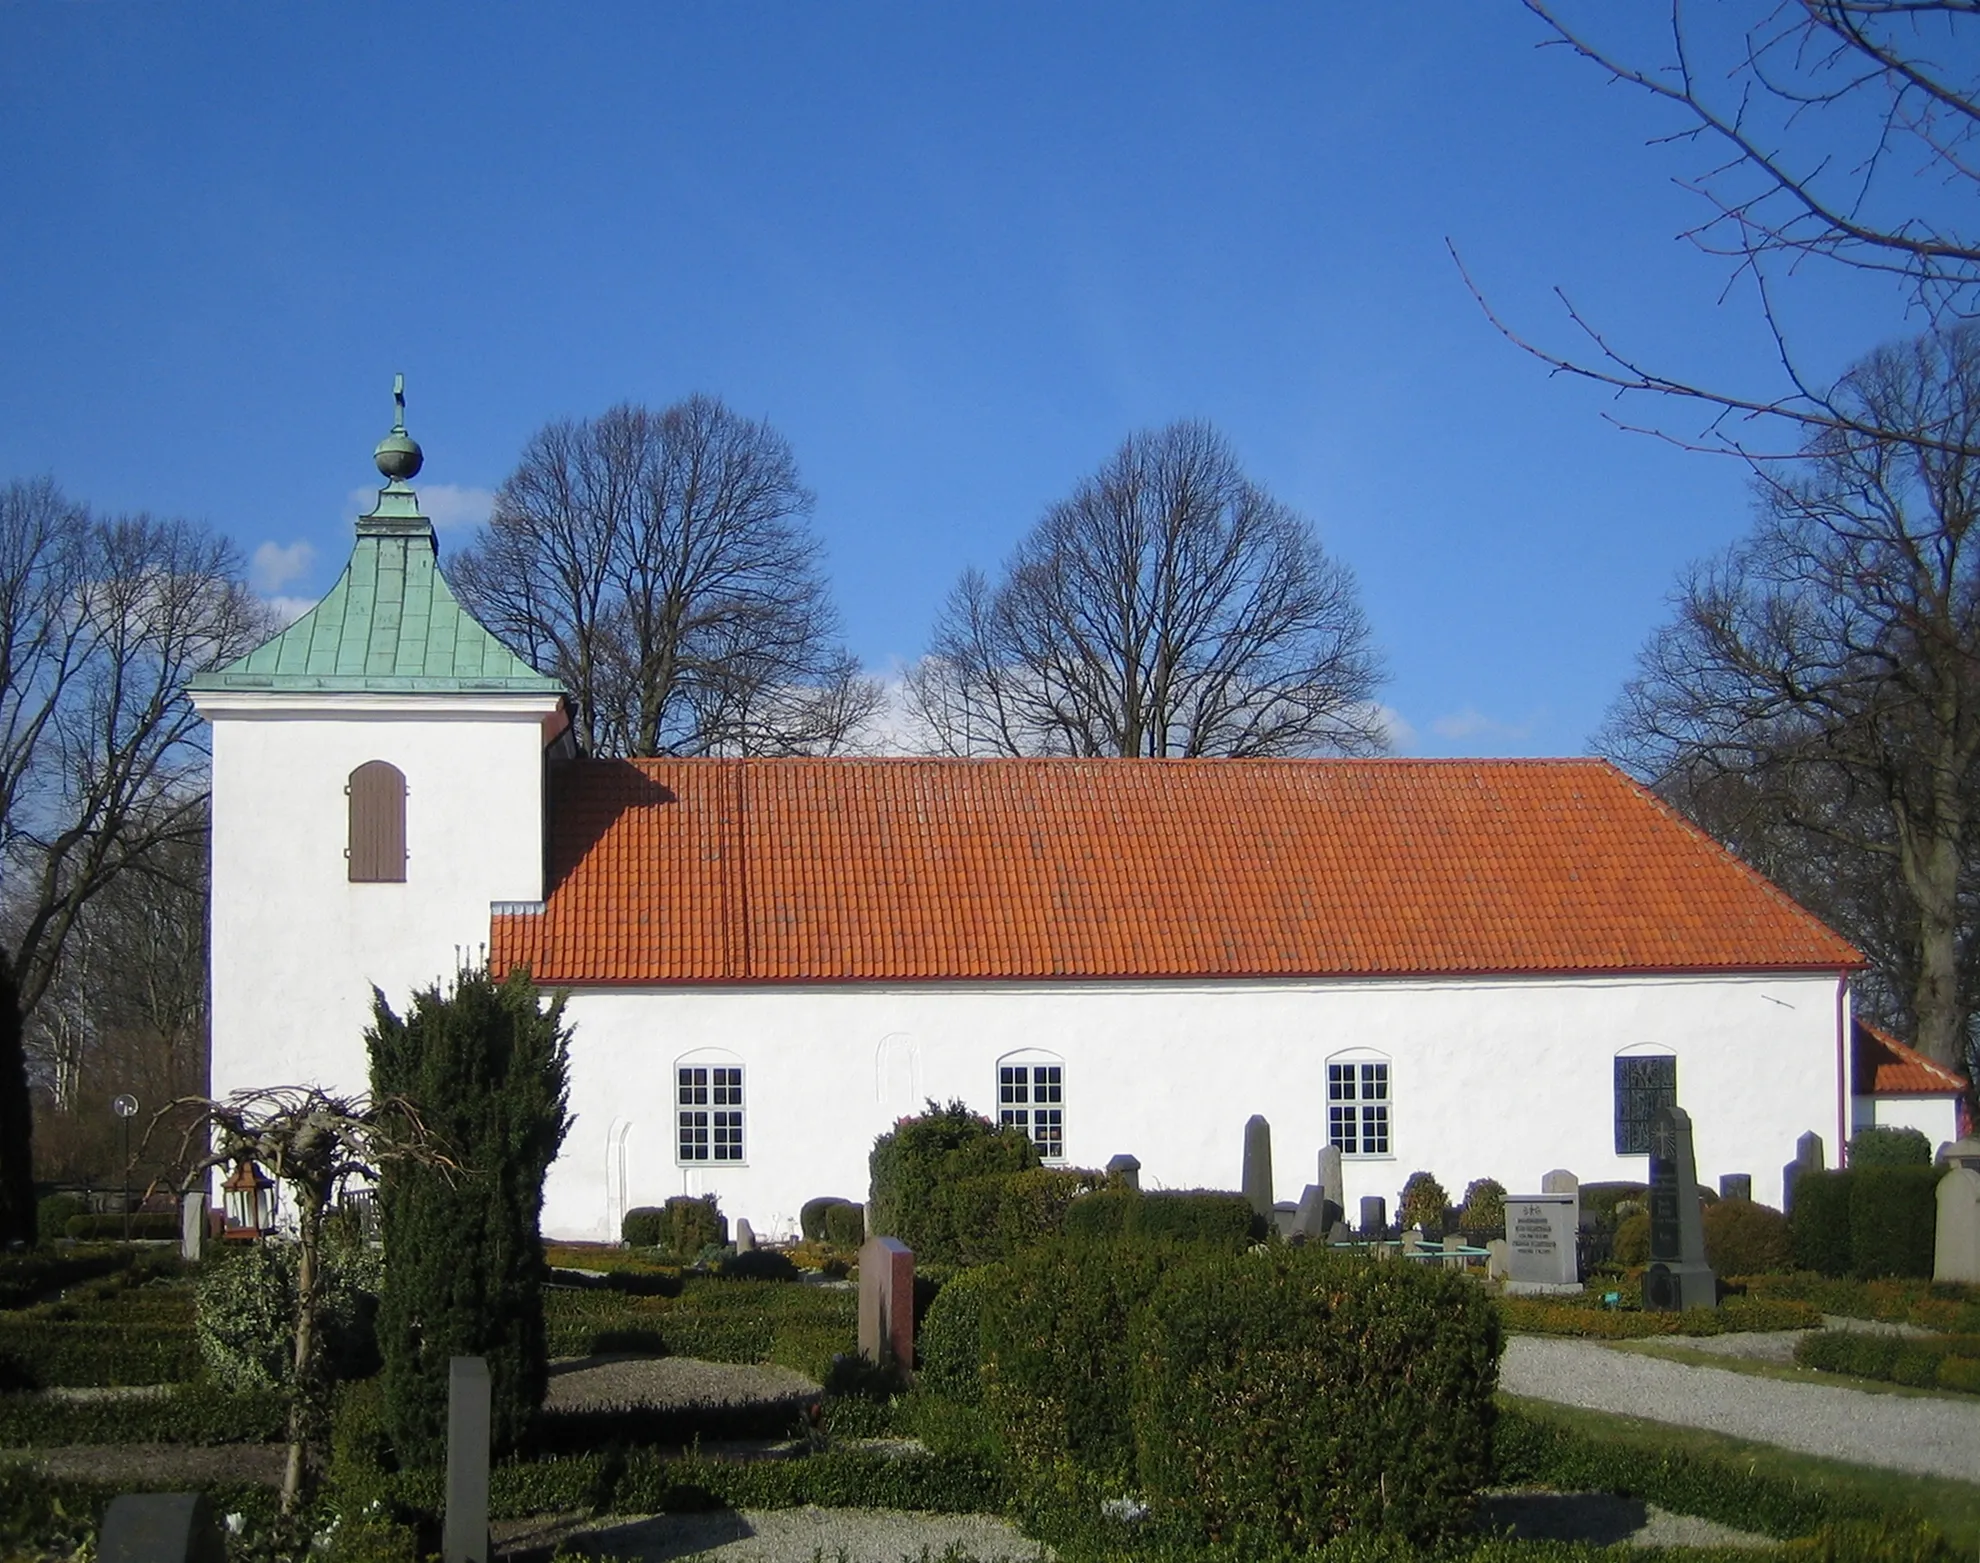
x=398 y=455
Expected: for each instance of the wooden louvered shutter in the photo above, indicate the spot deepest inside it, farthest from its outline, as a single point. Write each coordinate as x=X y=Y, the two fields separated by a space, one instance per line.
x=377 y=852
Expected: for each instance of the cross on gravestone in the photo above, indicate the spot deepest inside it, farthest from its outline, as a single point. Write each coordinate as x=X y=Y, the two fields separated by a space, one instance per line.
x=886 y=1302
x=1127 y=1168
x=464 y=1536
x=1678 y=1277
x=159 y=1527
x=1956 y=1240
x=1257 y=1182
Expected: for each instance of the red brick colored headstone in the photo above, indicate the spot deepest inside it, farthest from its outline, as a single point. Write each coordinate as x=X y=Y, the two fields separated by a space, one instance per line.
x=886 y=1302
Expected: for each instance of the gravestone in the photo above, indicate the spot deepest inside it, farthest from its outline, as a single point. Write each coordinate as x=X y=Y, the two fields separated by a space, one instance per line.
x=1561 y=1181
x=1257 y=1183
x=464 y=1536
x=1341 y=1233
x=886 y=1302
x=1736 y=1185
x=1960 y=1153
x=1332 y=1188
x=1453 y=1244
x=192 y=1226
x=1956 y=1248
x=1127 y=1168
x=1318 y=1214
x=1678 y=1277
x=1540 y=1239
x=1285 y=1218
x=1807 y=1158
x=159 y=1527
x=1498 y=1255
x=745 y=1236
x=1374 y=1215
x=1412 y=1241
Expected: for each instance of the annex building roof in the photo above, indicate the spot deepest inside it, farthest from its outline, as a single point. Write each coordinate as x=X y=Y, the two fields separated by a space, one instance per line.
x=1883 y=1066
x=911 y=870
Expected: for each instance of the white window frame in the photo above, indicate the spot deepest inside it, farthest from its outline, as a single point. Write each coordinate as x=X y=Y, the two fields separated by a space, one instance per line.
x=1361 y=1104
x=711 y=1110
x=1031 y=1095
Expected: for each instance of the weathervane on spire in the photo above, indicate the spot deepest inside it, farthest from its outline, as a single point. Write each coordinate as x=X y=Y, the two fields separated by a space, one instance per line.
x=398 y=454
x=398 y=404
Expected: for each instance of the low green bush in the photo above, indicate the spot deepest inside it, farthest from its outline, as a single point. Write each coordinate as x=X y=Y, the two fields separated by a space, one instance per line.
x=921 y=1158
x=247 y=1308
x=1819 y=1223
x=1933 y=1305
x=759 y=1264
x=143 y=1227
x=1893 y=1219
x=193 y=1413
x=1882 y=1146
x=845 y=1225
x=691 y=1223
x=629 y=1283
x=1583 y=1317
x=992 y=1216
x=643 y=1226
x=1287 y=1397
x=52 y=1213
x=949 y=1348
x=1742 y=1238
x=811 y=1217
x=1190 y=1217
x=1422 y=1203
x=1922 y=1361
x=1631 y=1245
x=37 y=1352
x=33 y=1274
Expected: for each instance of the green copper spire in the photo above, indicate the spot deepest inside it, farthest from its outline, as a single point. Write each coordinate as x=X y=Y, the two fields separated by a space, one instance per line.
x=391 y=622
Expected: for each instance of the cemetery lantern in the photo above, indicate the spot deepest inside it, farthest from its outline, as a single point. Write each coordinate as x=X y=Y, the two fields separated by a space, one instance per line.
x=250 y=1200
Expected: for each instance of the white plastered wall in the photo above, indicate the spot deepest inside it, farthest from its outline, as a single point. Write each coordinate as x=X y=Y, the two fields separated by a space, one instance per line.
x=1936 y=1117
x=296 y=946
x=1496 y=1078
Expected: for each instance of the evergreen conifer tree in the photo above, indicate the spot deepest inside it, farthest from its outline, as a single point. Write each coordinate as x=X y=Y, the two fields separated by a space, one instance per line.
x=486 y=1066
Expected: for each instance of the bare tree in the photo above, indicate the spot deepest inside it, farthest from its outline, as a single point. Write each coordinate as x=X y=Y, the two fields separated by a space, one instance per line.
x=102 y=760
x=658 y=564
x=315 y=1143
x=1169 y=606
x=1822 y=128
x=1819 y=688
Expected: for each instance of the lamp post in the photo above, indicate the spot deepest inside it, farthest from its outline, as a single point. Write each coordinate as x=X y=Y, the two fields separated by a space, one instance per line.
x=248 y=1196
x=125 y=1107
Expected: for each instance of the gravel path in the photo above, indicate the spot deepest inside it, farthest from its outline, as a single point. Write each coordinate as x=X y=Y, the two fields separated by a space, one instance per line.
x=799 y=1535
x=1897 y=1432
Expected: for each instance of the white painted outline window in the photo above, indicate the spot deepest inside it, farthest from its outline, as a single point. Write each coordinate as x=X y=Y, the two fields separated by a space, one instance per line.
x=708 y=1111
x=1646 y=1079
x=1031 y=1095
x=1361 y=1105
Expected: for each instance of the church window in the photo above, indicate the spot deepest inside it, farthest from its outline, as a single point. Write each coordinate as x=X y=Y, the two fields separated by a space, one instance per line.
x=377 y=850
x=1644 y=1083
x=1358 y=1104
x=709 y=1112
x=1031 y=1096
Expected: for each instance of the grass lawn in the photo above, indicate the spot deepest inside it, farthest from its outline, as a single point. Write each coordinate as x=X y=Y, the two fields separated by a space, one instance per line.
x=1953 y=1507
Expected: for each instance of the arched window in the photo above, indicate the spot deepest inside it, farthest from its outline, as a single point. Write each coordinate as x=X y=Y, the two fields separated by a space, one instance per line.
x=708 y=1108
x=1646 y=1079
x=377 y=850
x=1031 y=1095
x=1360 y=1103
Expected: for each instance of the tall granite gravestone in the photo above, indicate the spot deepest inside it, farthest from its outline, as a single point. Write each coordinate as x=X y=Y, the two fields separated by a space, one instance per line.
x=745 y=1236
x=1678 y=1276
x=464 y=1534
x=159 y=1527
x=1127 y=1168
x=1316 y=1216
x=1807 y=1158
x=1332 y=1189
x=1540 y=1242
x=1956 y=1249
x=886 y=1302
x=1258 y=1164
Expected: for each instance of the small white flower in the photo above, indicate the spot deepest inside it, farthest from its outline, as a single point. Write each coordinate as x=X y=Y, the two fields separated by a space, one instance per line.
x=1128 y=1511
x=236 y=1523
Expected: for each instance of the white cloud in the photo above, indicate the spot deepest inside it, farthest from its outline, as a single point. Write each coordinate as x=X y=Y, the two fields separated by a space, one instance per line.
x=447 y=505
x=275 y=565
x=288 y=609
x=1396 y=728
x=1473 y=723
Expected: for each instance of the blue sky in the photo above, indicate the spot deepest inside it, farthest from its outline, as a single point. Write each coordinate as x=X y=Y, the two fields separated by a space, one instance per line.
x=954 y=254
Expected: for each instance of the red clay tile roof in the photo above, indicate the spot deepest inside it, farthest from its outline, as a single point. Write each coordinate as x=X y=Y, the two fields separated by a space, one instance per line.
x=669 y=871
x=1884 y=1066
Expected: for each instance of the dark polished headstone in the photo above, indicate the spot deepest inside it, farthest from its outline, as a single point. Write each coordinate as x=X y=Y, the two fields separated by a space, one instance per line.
x=1374 y=1215
x=159 y=1527
x=1678 y=1277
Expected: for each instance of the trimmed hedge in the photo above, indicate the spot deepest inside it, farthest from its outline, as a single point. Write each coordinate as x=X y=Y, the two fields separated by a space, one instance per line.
x=915 y=1164
x=949 y=1349
x=628 y=1283
x=37 y=1273
x=1284 y=1398
x=145 y=1227
x=642 y=1226
x=801 y=1326
x=1734 y=1316
x=1924 y=1362
x=845 y=1225
x=1818 y=1226
x=1946 y=1306
x=992 y=1216
x=186 y=1414
x=1189 y=1217
x=759 y=1264
x=812 y=1218
x=1742 y=1238
x=41 y=1353
x=684 y=1226
x=1893 y=1219
x=1883 y=1146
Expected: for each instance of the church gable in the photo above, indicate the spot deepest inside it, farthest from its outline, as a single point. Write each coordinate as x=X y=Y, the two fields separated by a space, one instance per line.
x=772 y=871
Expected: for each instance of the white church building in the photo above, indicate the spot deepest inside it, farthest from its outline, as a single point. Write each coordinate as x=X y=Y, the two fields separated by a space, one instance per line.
x=1478 y=968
